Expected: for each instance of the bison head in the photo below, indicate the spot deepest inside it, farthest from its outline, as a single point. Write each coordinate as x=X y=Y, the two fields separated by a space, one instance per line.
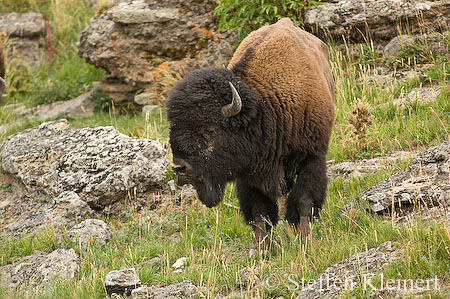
x=211 y=114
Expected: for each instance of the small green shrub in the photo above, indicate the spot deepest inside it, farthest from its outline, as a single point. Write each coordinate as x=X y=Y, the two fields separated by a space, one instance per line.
x=246 y=16
x=101 y=100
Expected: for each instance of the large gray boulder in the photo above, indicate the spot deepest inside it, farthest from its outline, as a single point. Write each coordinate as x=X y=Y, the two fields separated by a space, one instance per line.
x=100 y=164
x=40 y=269
x=420 y=191
x=27 y=36
x=379 y=20
x=136 y=41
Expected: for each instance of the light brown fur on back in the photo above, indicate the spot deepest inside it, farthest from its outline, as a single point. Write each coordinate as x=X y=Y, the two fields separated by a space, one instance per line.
x=290 y=69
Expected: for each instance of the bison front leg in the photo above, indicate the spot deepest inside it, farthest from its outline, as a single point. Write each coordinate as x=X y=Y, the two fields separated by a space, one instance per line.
x=259 y=210
x=308 y=194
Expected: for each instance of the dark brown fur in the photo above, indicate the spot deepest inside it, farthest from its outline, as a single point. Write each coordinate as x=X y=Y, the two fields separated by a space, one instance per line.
x=2 y=63
x=277 y=144
x=2 y=70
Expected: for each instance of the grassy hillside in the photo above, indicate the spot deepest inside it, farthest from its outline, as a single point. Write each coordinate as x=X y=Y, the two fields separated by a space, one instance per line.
x=216 y=241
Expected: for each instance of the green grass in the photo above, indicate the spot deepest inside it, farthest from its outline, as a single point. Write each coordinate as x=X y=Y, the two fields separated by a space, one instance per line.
x=216 y=241
x=66 y=75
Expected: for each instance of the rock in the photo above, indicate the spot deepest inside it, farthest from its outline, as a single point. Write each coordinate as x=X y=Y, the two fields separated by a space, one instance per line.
x=118 y=92
x=396 y=44
x=138 y=12
x=5 y=128
x=90 y=231
x=79 y=107
x=30 y=25
x=19 y=215
x=187 y=191
x=386 y=77
x=183 y=289
x=359 y=168
x=149 y=108
x=137 y=42
x=26 y=33
x=248 y=278
x=422 y=95
x=122 y=281
x=433 y=42
x=378 y=20
x=426 y=215
x=17 y=108
x=40 y=269
x=150 y=263
x=357 y=269
x=110 y=87
x=413 y=191
x=179 y=263
x=172 y=187
x=100 y=164
x=146 y=98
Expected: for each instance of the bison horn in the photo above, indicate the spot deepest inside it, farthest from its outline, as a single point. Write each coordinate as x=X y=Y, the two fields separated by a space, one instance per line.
x=2 y=86
x=235 y=107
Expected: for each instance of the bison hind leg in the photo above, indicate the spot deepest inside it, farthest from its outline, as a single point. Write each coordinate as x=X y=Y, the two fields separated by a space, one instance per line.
x=308 y=193
x=259 y=210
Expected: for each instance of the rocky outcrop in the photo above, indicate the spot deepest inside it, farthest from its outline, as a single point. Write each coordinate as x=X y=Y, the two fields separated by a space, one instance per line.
x=137 y=42
x=355 y=272
x=378 y=20
x=40 y=269
x=100 y=164
x=420 y=191
x=27 y=35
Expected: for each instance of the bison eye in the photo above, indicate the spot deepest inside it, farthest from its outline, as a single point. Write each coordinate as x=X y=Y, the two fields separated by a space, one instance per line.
x=209 y=131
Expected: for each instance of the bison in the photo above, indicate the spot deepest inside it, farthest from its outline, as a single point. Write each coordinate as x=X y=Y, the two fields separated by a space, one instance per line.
x=264 y=122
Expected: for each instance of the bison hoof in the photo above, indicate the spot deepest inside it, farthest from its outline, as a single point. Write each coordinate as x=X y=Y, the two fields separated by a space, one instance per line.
x=304 y=229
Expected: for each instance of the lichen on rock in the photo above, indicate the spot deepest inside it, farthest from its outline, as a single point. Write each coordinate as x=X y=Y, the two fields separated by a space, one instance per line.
x=420 y=191
x=137 y=42
x=378 y=20
x=41 y=269
x=99 y=164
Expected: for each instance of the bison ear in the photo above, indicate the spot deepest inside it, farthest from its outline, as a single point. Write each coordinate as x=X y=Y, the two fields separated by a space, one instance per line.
x=235 y=107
